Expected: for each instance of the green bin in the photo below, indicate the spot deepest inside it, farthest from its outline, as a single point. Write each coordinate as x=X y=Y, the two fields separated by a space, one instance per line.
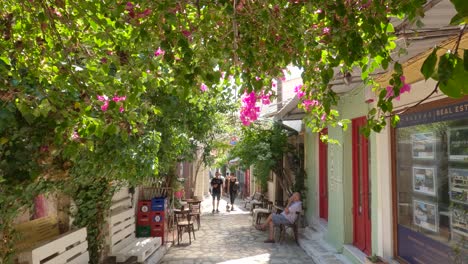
x=143 y=231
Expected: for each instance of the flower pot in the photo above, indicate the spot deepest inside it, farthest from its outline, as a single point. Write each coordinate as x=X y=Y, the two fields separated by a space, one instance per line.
x=375 y=260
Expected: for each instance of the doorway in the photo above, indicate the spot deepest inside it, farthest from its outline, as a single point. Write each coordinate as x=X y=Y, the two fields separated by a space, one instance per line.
x=323 y=177
x=361 y=188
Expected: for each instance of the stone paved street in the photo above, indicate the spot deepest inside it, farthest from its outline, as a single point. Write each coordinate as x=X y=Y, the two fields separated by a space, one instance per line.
x=231 y=238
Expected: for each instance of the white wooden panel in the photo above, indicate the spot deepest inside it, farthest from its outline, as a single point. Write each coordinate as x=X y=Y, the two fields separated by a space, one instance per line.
x=82 y=259
x=77 y=250
x=125 y=202
x=58 y=250
x=121 y=216
x=157 y=255
x=141 y=248
x=120 y=194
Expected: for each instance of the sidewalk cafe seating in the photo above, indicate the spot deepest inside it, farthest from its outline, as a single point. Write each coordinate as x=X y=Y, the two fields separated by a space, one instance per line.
x=184 y=223
x=294 y=227
x=259 y=213
x=256 y=198
x=195 y=211
x=42 y=243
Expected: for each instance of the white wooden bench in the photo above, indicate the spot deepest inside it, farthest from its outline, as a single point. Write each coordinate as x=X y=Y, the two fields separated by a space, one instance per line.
x=41 y=242
x=122 y=241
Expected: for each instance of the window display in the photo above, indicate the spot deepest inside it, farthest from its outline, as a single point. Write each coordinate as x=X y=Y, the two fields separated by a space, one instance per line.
x=424 y=180
x=458 y=142
x=425 y=215
x=432 y=185
x=458 y=185
x=423 y=145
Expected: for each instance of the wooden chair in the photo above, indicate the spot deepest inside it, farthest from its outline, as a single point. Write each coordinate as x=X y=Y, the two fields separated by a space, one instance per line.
x=195 y=212
x=294 y=226
x=184 y=224
x=256 y=197
x=259 y=213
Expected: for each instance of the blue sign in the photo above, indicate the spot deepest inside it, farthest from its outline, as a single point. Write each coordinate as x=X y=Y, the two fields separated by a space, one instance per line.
x=415 y=247
x=444 y=113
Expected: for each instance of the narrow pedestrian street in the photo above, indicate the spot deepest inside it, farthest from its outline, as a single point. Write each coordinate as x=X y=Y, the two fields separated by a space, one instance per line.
x=230 y=237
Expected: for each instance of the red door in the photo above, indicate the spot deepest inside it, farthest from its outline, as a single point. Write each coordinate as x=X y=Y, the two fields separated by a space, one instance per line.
x=323 y=177
x=361 y=190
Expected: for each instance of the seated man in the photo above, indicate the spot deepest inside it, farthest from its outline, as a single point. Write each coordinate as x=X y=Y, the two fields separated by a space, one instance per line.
x=288 y=216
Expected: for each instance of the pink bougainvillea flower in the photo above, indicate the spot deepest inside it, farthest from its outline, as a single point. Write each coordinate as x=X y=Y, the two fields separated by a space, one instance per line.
x=298 y=90
x=129 y=5
x=265 y=98
x=105 y=106
x=159 y=52
x=118 y=99
x=44 y=148
x=75 y=136
x=324 y=116
x=203 y=87
x=257 y=78
x=121 y=109
x=318 y=11
x=390 y=92
x=310 y=103
x=249 y=112
x=406 y=88
x=102 y=98
x=326 y=30
x=186 y=33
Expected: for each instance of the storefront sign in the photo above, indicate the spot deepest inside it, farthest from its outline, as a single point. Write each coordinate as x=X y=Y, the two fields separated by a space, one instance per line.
x=445 y=113
x=417 y=248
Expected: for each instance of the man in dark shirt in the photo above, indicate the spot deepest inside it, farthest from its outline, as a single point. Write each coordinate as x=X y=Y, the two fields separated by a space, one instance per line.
x=216 y=187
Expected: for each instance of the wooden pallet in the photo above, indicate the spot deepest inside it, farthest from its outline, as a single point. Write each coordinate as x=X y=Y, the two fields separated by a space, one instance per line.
x=122 y=241
x=70 y=248
x=36 y=231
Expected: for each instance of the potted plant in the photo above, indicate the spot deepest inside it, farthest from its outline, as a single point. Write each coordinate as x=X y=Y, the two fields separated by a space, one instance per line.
x=375 y=259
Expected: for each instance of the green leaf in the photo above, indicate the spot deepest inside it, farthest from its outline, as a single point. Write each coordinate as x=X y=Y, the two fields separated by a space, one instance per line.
x=446 y=67
x=456 y=86
x=457 y=20
x=429 y=64
x=395 y=120
x=397 y=67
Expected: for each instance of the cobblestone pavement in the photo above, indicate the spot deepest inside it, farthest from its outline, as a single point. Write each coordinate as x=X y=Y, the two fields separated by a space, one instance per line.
x=230 y=237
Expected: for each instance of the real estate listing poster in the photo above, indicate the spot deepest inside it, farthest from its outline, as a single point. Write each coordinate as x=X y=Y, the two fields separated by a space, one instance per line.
x=458 y=144
x=458 y=185
x=424 y=180
x=460 y=221
x=423 y=145
x=425 y=215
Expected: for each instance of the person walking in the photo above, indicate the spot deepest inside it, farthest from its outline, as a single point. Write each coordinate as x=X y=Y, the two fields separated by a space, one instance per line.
x=288 y=216
x=216 y=190
x=233 y=187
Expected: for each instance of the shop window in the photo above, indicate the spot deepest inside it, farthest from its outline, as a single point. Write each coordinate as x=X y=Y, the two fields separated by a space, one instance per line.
x=431 y=151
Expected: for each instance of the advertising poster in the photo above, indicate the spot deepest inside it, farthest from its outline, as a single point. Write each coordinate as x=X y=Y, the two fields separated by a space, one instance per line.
x=458 y=185
x=460 y=221
x=425 y=215
x=458 y=144
x=423 y=145
x=424 y=180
